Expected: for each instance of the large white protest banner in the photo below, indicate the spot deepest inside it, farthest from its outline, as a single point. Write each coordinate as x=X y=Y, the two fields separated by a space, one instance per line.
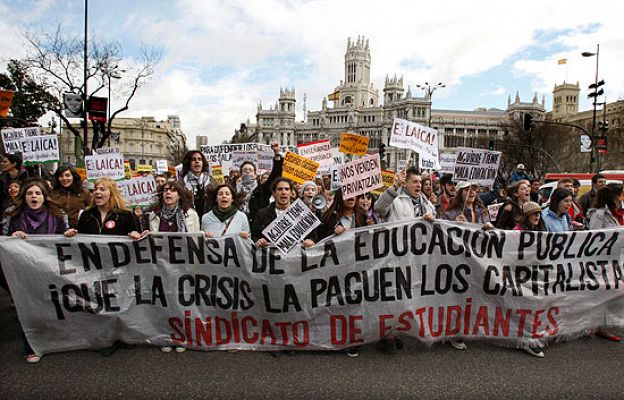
x=139 y=191
x=107 y=162
x=360 y=176
x=290 y=229
x=39 y=149
x=431 y=281
x=421 y=139
x=476 y=165
x=11 y=137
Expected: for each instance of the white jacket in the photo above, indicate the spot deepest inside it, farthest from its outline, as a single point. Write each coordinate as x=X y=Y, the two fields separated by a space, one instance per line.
x=395 y=205
x=192 y=221
x=601 y=218
x=210 y=223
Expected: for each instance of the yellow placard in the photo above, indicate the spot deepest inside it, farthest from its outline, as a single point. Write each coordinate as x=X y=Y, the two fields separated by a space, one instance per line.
x=144 y=168
x=387 y=178
x=217 y=174
x=127 y=170
x=299 y=169
x=351 y=143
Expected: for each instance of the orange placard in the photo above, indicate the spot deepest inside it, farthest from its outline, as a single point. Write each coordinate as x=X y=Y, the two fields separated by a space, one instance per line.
x=299 y=169
x=387 y=178
x=6 y=98
x=350 y=143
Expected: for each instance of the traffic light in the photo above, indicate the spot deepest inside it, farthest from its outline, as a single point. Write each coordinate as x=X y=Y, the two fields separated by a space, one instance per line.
x=527 y=122
x=603 y=126
x=597 y=90
x=491 y=145
x=382 y=150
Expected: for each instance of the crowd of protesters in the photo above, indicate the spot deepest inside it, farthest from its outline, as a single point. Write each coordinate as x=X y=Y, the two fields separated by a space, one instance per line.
x=247 y=202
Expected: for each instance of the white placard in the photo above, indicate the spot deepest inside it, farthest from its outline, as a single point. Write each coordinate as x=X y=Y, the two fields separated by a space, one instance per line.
x=421 y=139
x=447 y=163
x=110 y=164
x=40 y=149
x=11 y=137
x=162 y=166
x=291 y=228
x=476 y=165
x=360 y=176
x=139 y=191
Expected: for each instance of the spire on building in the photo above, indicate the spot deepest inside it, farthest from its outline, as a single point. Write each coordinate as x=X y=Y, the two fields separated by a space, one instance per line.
x=517 y=96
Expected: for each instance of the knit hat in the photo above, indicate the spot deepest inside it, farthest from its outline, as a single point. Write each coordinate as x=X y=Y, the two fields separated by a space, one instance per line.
x=530 y=208
x=305 y=185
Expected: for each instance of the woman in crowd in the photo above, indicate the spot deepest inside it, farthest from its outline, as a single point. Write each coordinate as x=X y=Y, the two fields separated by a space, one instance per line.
x=607 y=212
x=13 y=190
x=173 y=213
x=69 y=194
x=466 y=206
x=511 y=211
x=36 y=214
x=108 y=214
x=342 y=215
x=224 y=217
x=556 y=217
x=531 y=218
x=366 y=202
x=195 y=178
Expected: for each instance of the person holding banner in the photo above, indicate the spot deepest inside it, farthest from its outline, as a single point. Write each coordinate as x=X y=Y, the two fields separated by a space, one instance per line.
x=224 y=217
x=173 y=213
x=531 y=218
x=281 y=188
x=68 y=193
x=404 y=200
x=607 y=211
x=366 y=203
x=511 y=211
x=261 y=195
x=108 y=214
x=466 y=206
x=247 y=182
x=36 y=214
x=556 y=217
x=195 y=177
x=9 y=204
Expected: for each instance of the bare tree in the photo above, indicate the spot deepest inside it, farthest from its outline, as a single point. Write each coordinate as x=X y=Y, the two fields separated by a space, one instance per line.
x=57 y=61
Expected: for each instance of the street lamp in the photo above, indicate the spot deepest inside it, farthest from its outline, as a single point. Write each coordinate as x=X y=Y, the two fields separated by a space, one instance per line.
x=429 y=90
x=597 y=91
x=111 y=74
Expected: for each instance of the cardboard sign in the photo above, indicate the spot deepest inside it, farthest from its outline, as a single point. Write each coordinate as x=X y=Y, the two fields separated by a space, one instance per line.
x=109 y=164
x=291 y=228
x=299 y=169
x=40 y=149
x=421 y=139
x=128 y=173
x=447 y=163
x=144 y=168
x=493 y=210
x=360 y=176
x=217 y=174
x=319 y=151
x=334 y=180
x=11 y=138
x=162 y=166
x=139 y=191
x=351 y=143
x=476 y=165
x=387 y=177
x=6 y=98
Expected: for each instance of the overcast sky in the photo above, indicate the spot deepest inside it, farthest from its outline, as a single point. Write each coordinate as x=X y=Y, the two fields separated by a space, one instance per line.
x=220 y=58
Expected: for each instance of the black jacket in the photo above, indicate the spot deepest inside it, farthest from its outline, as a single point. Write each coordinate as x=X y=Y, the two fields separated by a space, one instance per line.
x=118 y=223
x=262 y=193
x=327 y=229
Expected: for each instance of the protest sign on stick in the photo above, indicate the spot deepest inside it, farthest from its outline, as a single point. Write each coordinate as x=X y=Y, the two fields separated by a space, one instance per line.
x=39 y=149
x=360 y=176
x=421 y=139
x=290 y=229
x=476 y=165
x=387 y=177
x=11 y=137
x=139 y=191
x=350 y=143
x=299 y=169
x=107 y=162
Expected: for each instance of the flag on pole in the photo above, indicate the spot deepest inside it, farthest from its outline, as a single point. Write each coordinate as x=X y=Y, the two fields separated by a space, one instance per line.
x=562 y=61
x=334 y=96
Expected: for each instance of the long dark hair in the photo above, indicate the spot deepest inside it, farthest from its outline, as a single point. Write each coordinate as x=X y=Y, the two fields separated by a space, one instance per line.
x=337 y=208
x=558 y=195
x=76 y=186
x=186 y=163
x=211 y=196
x=608 y=195
x=185 y=196
x=458 y=201
x=47 y=202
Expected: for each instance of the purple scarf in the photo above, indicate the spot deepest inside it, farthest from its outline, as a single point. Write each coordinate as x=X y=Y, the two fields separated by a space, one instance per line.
x=32 y=220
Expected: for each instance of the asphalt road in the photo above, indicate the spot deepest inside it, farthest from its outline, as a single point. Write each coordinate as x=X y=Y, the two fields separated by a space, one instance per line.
x=587 y=368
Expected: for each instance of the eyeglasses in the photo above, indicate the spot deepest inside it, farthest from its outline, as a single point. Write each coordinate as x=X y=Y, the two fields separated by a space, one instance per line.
x=170 y=189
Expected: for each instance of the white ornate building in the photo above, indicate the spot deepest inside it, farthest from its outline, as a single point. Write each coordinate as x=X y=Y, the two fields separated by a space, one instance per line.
x=357 y=109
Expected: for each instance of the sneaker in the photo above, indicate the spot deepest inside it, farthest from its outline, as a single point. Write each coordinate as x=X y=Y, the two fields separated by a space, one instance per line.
x=353 y=352
x=459 y=344
x=180 y=349
x=608 y=335
x=166 y=349
x=32 y=359
x=534 y=351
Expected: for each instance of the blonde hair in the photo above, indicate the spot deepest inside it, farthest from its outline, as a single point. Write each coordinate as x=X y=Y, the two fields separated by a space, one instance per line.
x=116 y=201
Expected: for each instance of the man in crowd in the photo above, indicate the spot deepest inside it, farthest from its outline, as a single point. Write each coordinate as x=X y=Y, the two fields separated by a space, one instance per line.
x=448 y=191
x=404 y=200
x=535 y=186
x=587 y=199
x=519 y=174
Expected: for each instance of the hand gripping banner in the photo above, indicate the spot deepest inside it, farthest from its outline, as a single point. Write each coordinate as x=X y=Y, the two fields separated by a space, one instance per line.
x=431 y=281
